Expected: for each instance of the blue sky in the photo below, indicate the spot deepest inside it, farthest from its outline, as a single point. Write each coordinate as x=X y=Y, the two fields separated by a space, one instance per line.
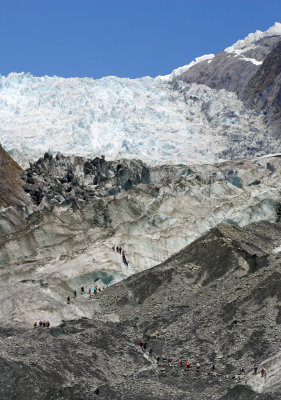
x=126 y=38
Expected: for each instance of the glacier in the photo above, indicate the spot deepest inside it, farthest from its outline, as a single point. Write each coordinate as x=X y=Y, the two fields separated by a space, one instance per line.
x=146 y=118
x=159 y=120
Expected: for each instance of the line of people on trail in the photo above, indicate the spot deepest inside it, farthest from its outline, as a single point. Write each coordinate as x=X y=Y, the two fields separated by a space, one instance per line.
x=122 y=252
x=164 y=360
x=42 y=324
x=242 y=371
x=95 y=290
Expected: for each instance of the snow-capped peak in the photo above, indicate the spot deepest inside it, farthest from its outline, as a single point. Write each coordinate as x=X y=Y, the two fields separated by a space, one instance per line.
x=180 y=70
x=250 y=41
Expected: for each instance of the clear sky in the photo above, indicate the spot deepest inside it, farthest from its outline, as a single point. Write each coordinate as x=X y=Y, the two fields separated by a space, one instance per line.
x=126 y=38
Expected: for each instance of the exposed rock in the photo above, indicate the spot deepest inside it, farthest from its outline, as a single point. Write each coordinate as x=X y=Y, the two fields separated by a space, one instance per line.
x=258 y=86
x=216 y=300
x=263 y=91
x=230 y=71
x=11 y=192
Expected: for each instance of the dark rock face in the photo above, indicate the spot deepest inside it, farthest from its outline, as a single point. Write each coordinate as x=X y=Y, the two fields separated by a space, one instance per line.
x=62 y=179
x=214 y=300
x=257 y=86
x=11 y=192
x=263 y=91
x=227 y=71
x=224 y=71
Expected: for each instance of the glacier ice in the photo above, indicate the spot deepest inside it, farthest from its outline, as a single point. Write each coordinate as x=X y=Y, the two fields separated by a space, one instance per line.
x=146 y=118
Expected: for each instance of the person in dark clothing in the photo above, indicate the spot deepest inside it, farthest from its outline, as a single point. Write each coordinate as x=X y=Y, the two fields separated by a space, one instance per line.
x=82 y=289
x=35 y=324
x=68 y=299
x=212 y=366
x=75 y=293
x=40 y=323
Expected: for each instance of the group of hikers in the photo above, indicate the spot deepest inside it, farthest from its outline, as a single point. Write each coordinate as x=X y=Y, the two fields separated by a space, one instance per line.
x=42 y=323
x=168 y=361
x=95 y=290
x=255 y=369
x=122 y=252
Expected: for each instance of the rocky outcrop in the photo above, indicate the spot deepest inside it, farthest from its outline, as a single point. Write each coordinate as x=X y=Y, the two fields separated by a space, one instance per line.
x=11 y=192
x=217 y=300
x=60 y=179
x=263 y=91
x=230 y=71
x=253 y=74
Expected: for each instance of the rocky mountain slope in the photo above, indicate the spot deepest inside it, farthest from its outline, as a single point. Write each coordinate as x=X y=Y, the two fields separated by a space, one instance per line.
x=11 y=192
x=217 y=300
x=251 y=69
x=195 y=114
x=263 y=91
x=82 y=207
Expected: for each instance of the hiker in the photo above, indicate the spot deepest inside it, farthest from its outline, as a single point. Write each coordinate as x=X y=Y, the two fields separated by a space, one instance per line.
x=117 y=249
x=40 y=323
x=150 y=351
x=212 y=365
x=180 y=363
x=263 y=372
x=144 y=345
x=35 y=324
x=255 y=369
x=89 y=291
x=75 y=293
x=198 y=367
x=47 y=324
x=170 y=362
x=44 y=324
x=242 y=371
x=95 y=290
x=68 y=299
x=82 y=289
x=141 y=343
x=158 y=359
x=113 y=248
x=123 y=253
x=187 y=365
x=164 y=359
